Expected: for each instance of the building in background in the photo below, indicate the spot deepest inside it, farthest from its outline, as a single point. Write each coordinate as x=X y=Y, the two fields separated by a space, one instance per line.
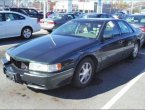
x=109 y=6
x=77 y=5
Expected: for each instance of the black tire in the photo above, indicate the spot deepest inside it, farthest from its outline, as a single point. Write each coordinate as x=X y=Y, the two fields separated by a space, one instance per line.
x=76 y=81
x=135 y=51
x=26 y=33
x=49 y=31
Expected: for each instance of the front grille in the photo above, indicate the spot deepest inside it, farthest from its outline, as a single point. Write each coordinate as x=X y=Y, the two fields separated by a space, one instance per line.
x=20 y=64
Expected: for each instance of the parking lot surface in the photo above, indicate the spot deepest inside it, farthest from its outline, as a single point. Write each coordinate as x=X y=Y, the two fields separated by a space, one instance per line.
x=120 y=86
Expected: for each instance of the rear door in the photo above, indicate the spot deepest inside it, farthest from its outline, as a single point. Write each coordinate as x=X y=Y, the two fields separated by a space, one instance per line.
x=112 y=45
x=128 y=36
x=2 y=26
x=13 y=23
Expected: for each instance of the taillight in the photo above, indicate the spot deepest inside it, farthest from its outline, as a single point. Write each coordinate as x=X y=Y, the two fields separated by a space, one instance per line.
x=51 y=22
x=143 y=29
x=41 y=21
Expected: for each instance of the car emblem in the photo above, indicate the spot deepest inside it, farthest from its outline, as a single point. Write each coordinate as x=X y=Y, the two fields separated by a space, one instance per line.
x=23 y=66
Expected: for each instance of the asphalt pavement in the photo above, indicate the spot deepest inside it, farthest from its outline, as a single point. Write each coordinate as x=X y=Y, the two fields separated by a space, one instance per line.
x=120 y=86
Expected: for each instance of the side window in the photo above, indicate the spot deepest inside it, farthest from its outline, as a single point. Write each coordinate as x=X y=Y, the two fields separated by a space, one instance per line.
x=130 y=29
x=12 y=17
x=111 y=30
x=18 y=17
x=124 y=27
x=33 y=12
x=9 y=17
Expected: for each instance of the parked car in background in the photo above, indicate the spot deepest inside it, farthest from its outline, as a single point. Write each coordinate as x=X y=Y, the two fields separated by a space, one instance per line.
x=74 y=53
x=95 y=15
x=19 y=10
x=120 y=15
x=138 y=21
x=77 y=14
x=55 y=20
x=13 y=24
x=27 y=11
x=33 y=13
x=49 y=13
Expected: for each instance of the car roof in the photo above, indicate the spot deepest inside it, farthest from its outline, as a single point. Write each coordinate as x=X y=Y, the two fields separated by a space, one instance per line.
x=97 y=14
x=97 y=19
x=13 y=12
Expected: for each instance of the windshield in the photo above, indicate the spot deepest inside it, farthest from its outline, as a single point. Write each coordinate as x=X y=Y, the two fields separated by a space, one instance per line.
x=136 y=19
x=55 y=16
x=85 y=29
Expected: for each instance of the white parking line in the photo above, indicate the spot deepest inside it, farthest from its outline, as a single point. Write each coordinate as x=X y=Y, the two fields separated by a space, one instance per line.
x=111 y=102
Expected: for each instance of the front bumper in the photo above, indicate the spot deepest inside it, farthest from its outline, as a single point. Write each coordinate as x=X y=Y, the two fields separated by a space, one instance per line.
x=37 y=80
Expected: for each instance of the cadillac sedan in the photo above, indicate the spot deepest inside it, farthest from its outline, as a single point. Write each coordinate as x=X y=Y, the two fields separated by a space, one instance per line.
x=72 y=54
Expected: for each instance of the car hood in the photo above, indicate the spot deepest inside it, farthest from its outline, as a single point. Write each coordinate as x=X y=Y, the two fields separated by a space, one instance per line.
x=49 y=48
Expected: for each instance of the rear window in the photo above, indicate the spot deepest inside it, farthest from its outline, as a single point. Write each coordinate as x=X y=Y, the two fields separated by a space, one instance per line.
x=136 y=19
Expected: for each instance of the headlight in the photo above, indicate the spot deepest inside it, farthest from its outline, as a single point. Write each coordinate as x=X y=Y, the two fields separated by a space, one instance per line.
x=7 y=56
x=44 y=68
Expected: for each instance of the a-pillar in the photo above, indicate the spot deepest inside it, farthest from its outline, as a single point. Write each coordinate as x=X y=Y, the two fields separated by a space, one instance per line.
x=44 y=9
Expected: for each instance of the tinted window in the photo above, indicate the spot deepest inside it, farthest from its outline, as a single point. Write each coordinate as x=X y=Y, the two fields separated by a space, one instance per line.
x=124 y=27
x=33 y=12
x=18 y=17
x=111 y=29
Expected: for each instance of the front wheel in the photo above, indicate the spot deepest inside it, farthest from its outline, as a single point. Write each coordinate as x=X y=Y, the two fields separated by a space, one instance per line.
x=135 y=51
x=83 y=73
x=26 y=33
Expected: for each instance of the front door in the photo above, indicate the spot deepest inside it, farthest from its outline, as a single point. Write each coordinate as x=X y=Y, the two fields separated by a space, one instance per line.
x=12 y=24
x=112 y=46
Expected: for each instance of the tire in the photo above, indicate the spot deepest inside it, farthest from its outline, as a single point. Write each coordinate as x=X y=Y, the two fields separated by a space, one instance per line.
x=26 y=33
x=83 y=73
x=49 y=31
x=135 y=51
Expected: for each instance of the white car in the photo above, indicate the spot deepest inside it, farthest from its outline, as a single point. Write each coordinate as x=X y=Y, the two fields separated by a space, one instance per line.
x=13 y=24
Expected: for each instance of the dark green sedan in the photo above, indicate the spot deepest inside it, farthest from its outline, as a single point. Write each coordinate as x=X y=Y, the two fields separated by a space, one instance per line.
x=72 y=54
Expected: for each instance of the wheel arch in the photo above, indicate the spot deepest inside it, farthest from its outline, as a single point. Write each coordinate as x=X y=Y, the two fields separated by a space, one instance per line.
x=27 y=27
x=92 y=57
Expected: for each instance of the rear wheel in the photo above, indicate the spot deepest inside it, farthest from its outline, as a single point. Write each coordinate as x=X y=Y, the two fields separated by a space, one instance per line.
x=26 y=33
x=135 y=51
x=83 y=73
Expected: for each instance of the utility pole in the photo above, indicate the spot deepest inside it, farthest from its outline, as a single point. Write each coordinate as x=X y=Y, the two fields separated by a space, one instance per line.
x=132 y=5
x=44 y=9
x=69 y=6
x=48 y=5
x=99 y=7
